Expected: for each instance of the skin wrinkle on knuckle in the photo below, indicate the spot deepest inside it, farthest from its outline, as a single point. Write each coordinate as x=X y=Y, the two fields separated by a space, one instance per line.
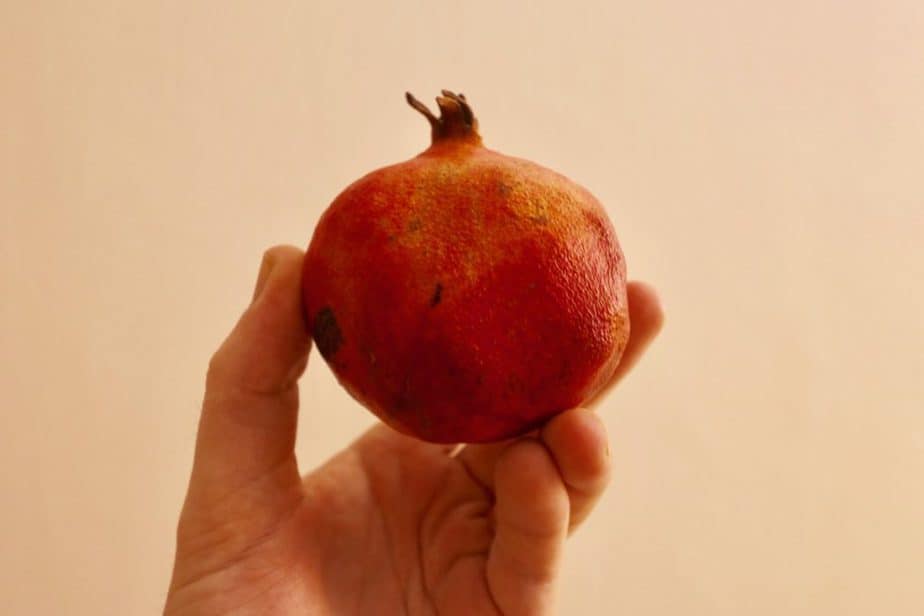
x=464 y=510
x=543 y=524
x=237 y=501
x=537 y=533
x=541 y=572
x=260 y=411
x=225 y=379
x=227 y=371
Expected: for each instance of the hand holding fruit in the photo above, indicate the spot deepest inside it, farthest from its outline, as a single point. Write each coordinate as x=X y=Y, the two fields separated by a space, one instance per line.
x=391 y=525
x=466 y=323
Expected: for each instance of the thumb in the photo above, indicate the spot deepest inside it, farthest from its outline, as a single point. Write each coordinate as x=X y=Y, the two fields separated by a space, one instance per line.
x=250 y=411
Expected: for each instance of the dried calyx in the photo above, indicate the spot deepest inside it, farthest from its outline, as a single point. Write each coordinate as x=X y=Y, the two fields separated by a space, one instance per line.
x=456 y=120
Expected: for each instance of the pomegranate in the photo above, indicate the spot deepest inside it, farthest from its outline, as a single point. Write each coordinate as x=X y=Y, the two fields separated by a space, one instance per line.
x=464 y=295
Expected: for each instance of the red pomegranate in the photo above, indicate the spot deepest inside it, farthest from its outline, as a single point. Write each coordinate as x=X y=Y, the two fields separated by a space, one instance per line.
x=464 y=295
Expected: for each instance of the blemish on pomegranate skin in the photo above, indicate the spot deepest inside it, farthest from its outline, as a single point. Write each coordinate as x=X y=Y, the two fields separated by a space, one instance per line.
x=402 y=401
x=326 y=333
x=437 y=295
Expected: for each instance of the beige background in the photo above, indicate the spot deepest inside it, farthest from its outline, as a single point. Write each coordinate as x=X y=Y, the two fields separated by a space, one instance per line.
x=763 y=163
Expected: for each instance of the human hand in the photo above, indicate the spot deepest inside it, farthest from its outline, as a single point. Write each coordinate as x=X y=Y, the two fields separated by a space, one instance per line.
x=390 y=525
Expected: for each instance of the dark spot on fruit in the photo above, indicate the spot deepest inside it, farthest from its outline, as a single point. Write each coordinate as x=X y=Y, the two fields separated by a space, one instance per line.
x=326 y=333
x=402 y=400
x=515 y=384
x=414 y=225
x=503 y=189
x=437 y=295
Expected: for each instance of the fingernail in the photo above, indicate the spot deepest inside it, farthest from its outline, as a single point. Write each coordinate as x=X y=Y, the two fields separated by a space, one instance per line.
x=266 y=267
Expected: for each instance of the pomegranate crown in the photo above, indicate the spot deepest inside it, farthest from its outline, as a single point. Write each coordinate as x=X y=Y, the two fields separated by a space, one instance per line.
x=456 y=120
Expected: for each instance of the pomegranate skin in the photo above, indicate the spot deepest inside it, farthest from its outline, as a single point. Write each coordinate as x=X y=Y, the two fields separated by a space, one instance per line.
x=465 y=295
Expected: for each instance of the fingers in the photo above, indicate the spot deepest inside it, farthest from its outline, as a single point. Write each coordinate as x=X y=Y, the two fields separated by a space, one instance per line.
x=531 y=523
x=647 y=318
x=543 y=489
x=578 y=442
x=248 y=422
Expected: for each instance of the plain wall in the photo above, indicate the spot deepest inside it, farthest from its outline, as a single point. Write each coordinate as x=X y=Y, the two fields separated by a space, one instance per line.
x=763 y=163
